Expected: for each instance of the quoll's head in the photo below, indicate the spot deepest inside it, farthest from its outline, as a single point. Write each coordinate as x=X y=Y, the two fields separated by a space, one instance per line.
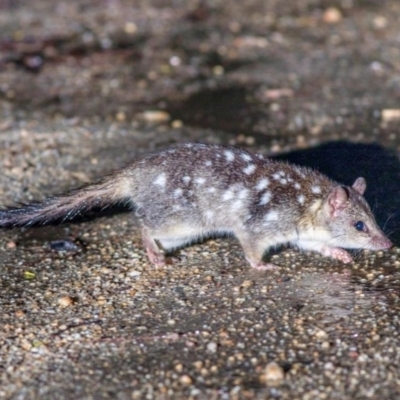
x=351 y=220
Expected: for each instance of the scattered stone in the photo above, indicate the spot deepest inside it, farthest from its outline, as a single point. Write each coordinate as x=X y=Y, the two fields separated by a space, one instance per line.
x=186 y=380
x=63 y=245
x=273 y=374
x=390 y=115
x=332 y=15
x=65 y=301
x=212 y=347
x=156 y=116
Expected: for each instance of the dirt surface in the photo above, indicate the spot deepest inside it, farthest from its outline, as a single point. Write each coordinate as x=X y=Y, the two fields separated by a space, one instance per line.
x=86 y=86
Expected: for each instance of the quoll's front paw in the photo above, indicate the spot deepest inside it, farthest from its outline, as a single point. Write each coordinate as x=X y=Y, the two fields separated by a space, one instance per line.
x=337 y=254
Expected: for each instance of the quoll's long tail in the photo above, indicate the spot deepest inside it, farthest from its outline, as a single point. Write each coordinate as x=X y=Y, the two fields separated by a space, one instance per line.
x=87 y=201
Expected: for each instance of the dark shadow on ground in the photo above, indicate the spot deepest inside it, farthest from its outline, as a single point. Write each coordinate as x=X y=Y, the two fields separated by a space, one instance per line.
x=345 y=161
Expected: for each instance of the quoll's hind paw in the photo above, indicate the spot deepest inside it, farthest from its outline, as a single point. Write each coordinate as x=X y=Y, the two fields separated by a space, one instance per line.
x=157 y=259
x=260 y=266
x=337 y=254
x=266 y=267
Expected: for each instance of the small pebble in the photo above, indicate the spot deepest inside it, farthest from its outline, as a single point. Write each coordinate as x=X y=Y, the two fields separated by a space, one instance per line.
x=273 y=374
x=332 y=15
x=63 y=245
x=11 y=245
x=212 y=347
x=390 y=114
x=65 y=301
x=156 y=116
x=186 y=380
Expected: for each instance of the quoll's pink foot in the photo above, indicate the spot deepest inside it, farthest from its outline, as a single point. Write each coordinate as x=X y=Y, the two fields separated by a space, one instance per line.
x=337 y=254
x=260 y=266
x=156 y=256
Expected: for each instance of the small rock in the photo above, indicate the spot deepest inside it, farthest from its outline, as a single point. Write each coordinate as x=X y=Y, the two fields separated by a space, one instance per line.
x=26 y=345
x=130 y=28
x=177 y=123
x=273 y=374
x=120 y=116
x=178 y=367
x=332 y=15
x=212 y=347
x=380 y=22
x=63 y=245
x=321 y=334
x=65 y=301
x=156 y=116
x=390 y=114
x=186 y=380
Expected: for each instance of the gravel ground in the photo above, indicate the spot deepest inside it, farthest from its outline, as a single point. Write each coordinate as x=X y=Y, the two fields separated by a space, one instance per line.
x=84 y=88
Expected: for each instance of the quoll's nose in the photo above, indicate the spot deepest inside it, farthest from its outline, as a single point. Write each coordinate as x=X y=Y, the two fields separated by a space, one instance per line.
x=382 y=243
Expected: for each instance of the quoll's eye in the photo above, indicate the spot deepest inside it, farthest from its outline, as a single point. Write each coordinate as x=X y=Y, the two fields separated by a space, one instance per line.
x=360 y=226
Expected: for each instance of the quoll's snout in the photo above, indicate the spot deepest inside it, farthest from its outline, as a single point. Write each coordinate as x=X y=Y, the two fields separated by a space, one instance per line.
x=381 y=243
x=387 y=244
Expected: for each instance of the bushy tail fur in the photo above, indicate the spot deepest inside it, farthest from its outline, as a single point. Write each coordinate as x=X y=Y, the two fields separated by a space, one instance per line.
x=86 y=202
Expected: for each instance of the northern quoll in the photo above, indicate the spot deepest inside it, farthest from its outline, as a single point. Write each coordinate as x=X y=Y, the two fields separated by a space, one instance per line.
x=193 y=191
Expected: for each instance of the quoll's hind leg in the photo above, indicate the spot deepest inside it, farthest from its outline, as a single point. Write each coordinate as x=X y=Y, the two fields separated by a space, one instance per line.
x=254 y=252
x=155 y=254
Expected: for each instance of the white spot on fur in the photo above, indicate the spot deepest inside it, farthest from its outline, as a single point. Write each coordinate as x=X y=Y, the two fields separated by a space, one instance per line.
x=228 y=195
x=316 y=189
x=245 y=157
x=209 y=214
x=249 y=169
x=229 y=155
x=281 y=173
x=243 y=194
x=208 y=163
x=265 y=198
x=186 y=179
x=262 y=184
x=271 y=216
x=200 y=180
x=177 y=192
x=283 y=181
x=237 y=205
x=276 y=176
x=301 y=199
x=211 y=189
x=160 y=180
x=299 y=172
x=297 y=186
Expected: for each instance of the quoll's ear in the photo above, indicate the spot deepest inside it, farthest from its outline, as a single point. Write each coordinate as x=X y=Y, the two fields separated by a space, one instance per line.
x=337 y=199
x=360 y=185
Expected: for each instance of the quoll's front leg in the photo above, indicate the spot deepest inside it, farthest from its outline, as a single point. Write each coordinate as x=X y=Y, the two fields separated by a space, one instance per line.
x=336 y=253
x=333 y=252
